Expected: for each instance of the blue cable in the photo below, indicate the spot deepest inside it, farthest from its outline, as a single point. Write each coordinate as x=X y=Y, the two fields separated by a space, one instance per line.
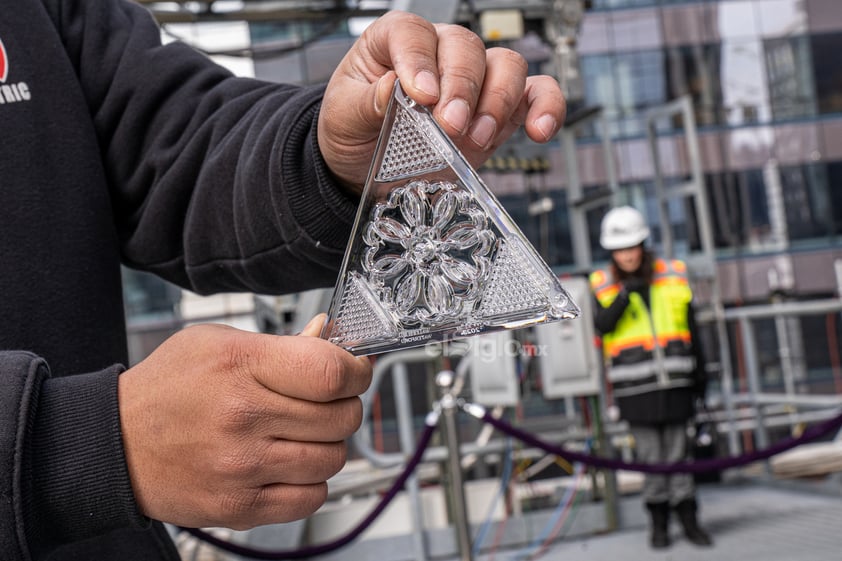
x=559 y=510
x=504 y=484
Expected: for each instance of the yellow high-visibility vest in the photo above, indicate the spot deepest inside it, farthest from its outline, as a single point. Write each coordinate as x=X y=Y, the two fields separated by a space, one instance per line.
x=659 y=332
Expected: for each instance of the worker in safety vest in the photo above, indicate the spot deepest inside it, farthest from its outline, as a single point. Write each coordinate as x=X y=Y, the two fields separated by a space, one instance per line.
x=655 y=369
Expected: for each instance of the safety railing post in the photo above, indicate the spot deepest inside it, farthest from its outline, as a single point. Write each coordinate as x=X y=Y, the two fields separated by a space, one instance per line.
x=753 y=376
x=403 y=407
x=456 y=491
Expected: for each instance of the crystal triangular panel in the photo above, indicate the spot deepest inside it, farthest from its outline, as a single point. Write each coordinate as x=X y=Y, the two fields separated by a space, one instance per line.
x=433 y=255
x=410 y=150
x=360 y=316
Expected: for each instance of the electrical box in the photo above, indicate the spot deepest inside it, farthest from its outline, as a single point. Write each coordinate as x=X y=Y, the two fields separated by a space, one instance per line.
x=493 y=369
x=501 y=25
x=570 y=362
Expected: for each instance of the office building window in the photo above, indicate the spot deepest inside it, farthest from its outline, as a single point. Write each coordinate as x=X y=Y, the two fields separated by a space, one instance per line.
x=548 y=231
x=724 y=201
x=623 y=84
x=681 y=214
x=555 y=229
x=600 y=90
x=822 y=344
x=834 y=182
x=694 y=70
x=640 y=79
x=745 y=93
x=790 y=75
x=806 y=201
x=740 y=209
x=757 y=224
x=827 y=68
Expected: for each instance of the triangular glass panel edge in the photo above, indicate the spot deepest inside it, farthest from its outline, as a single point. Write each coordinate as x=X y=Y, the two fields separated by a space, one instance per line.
x=433 y=254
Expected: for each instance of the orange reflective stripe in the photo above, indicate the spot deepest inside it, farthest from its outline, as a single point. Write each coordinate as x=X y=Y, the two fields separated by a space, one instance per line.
x=672 y=267
x=647 y=343
x=677 y=336
x=670 y=280
x=610 y=290
x=602 y=285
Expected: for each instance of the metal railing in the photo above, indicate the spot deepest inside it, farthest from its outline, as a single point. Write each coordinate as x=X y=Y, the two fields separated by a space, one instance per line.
x=790 y=405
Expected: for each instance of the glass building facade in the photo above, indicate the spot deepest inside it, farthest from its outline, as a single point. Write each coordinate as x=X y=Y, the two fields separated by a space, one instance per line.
x=765 y=82
x=765 y=79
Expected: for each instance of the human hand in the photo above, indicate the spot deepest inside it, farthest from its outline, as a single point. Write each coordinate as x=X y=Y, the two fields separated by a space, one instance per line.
x=223 y=427
x=635 y=284
x=479 y=96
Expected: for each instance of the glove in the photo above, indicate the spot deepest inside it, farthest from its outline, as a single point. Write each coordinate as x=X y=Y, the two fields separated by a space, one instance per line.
x=635 y=284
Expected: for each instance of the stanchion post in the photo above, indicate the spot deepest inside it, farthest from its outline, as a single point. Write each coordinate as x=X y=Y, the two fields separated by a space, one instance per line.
x=753 y=374
x=456 y=491
x=609 y=477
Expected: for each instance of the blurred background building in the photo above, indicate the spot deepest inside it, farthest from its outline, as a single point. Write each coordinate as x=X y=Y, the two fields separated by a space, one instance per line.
x=765 y=82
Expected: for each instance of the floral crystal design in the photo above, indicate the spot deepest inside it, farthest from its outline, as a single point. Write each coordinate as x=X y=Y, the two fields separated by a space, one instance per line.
x=428 y=252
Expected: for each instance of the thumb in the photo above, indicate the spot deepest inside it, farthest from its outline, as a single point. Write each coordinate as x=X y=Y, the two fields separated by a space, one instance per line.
x=383 y=92
x=314 y=326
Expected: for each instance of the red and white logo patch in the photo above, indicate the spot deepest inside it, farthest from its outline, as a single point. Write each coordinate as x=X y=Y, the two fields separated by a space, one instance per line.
x=4 y=62
x=14 y=91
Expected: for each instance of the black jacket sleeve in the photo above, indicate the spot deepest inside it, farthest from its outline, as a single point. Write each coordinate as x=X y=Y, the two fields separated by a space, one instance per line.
x=63 y=477
x=606 y=318
x=22 y=376
x=76 y=430
x=217 y=182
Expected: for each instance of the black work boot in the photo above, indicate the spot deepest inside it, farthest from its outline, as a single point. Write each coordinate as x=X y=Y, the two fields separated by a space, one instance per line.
x=660 y=515
x=686 y=511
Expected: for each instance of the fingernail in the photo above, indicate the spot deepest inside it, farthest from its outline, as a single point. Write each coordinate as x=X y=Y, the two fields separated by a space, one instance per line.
x=547 y=125
x=314 y=326
x=483 y=130
x=382 y=92
x=456 y=114
x=427 y=83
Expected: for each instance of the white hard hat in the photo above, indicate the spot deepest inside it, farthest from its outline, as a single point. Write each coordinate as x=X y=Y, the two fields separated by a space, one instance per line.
x=623 y=227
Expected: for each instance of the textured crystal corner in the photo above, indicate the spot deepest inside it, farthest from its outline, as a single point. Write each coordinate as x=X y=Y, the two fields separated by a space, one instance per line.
x=433 y=255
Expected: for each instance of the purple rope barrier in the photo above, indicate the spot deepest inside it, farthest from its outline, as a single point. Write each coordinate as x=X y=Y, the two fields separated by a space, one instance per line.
x=311 y=551
x=811 y=433
x=715 y=464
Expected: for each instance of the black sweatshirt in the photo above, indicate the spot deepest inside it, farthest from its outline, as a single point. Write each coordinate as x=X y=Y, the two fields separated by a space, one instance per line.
x=115 y=149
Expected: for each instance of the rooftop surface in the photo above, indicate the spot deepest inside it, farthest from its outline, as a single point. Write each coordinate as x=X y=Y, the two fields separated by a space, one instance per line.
x=749 y=522
x=750 y=519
